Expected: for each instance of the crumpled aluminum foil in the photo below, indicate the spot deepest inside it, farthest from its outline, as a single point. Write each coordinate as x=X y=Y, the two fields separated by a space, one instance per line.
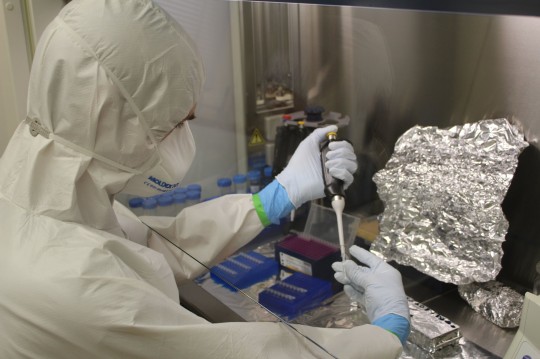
x=497 y=303
x=442 y=190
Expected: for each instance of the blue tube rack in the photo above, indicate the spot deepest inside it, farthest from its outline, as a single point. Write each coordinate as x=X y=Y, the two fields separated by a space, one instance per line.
x=243 y=270
x=295 y=295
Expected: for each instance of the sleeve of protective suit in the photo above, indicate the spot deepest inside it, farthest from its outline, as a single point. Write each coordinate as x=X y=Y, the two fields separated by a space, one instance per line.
x=209 y=231
x=162 y=329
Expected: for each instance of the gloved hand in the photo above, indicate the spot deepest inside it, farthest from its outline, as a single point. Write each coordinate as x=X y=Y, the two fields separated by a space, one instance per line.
x=377 y=286
x=302 y=178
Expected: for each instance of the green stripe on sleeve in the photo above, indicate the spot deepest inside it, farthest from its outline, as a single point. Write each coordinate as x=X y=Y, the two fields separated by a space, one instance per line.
x=260 y=210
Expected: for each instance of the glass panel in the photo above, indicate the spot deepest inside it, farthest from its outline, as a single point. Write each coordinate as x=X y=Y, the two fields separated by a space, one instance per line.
x=384 y=70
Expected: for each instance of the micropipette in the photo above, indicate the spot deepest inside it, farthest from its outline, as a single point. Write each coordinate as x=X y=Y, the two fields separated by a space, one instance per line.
x=333 y=188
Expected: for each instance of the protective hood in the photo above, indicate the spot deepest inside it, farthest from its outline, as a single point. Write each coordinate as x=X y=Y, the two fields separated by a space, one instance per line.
x=109 y=80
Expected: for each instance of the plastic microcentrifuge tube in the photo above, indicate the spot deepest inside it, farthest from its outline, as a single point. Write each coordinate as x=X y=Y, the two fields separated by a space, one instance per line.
x=225 y=186
x=240 y=183
x=193 y=197
x=179 y=202
x=135 y=205
x=149 y=206
x=165 y=205
x=254 y=178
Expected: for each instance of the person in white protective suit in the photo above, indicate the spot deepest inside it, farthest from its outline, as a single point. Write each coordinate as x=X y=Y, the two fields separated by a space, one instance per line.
x=110 y=86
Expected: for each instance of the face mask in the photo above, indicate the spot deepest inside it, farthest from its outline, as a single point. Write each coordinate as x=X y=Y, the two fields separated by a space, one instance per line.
x=176 y=151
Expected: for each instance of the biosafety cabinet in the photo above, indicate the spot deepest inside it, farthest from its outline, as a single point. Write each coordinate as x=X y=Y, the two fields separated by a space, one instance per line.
x=376 y=69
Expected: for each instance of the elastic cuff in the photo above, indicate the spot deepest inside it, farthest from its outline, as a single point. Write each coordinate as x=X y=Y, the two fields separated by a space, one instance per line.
x=275 y=202
x=260 y=210
x=395 y=324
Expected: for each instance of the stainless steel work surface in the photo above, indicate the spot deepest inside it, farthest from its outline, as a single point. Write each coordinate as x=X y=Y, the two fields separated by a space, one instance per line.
x=481 y=338
x=472 y=325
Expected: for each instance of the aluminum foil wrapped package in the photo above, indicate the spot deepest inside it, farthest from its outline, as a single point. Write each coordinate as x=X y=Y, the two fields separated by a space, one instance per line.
x=431 y=331
x=499 y=304
x=442 y=190
x=463 y=349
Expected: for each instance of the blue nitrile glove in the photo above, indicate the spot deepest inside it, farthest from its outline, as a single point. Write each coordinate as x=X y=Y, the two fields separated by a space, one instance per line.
x=302 y=178
x=378 y=287
x=274 y=201
x=395 y=324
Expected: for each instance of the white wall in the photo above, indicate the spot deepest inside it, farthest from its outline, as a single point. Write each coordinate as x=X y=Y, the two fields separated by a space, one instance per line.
x=14 y=69
x=41 y=13
x=21 y=24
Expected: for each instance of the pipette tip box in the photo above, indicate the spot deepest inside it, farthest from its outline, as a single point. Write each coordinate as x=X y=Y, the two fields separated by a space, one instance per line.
x=307 y=255
x=243 y=270
x=295 y=295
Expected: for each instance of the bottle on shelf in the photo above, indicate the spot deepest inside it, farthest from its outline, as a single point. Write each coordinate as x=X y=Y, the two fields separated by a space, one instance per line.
x=254 y=178
x=179 y=202
x=240 y=183
x=165 y=205
x=193 y=197
x=225 y=186
x=149 y=206
x=182 y=190
x=135 y=205
x=194 y=187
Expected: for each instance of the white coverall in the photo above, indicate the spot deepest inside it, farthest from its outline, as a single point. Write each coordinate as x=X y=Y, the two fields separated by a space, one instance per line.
x=109 y=80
